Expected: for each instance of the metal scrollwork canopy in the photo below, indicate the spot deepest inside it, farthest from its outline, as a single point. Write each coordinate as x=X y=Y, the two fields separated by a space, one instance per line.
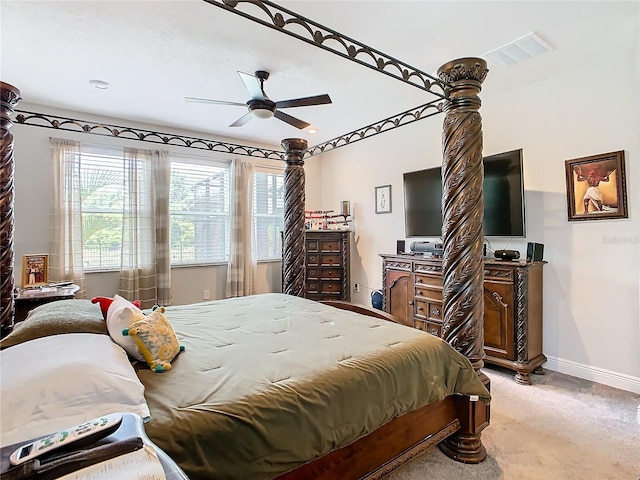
x=74 y=125
x=409 y=116
x=281 y=19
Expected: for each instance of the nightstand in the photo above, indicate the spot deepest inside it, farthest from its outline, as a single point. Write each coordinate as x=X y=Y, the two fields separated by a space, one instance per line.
x=25 y=302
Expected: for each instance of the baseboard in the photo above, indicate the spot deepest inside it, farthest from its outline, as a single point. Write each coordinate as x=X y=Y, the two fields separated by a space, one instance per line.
x=599 y=375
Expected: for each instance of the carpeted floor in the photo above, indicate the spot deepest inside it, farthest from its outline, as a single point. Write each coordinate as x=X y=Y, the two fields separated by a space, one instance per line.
x=559 y=428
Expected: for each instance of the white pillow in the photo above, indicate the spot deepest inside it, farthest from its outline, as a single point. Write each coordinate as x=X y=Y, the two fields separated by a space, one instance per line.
x=59 y=381
x=120 y=314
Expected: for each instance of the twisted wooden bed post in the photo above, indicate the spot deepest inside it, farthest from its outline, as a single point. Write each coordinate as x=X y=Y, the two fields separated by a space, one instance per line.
x=294 y=203
x=462 y=216
x=9 y=98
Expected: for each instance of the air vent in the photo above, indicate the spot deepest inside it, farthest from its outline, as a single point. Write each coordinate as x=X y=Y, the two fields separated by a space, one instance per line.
x=524 y=48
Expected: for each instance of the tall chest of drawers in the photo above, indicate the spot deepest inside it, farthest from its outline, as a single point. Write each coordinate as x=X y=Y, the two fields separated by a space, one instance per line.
x=327 y=264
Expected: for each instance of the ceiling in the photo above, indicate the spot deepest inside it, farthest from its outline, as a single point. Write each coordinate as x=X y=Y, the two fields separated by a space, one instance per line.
x=154 y=53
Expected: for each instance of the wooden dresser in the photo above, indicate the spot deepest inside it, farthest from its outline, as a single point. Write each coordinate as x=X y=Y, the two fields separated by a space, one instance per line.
x=327 y=264
x=512 y=306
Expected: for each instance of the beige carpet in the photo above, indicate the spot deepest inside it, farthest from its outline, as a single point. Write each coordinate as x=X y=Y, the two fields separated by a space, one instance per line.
x=559 y=428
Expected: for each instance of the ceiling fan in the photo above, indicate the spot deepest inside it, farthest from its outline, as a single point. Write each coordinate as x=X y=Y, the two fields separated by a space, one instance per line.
x=261 y=106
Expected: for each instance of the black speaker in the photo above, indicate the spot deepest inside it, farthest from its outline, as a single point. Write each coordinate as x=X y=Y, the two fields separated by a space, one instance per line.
x=535 y=252
x=400 y=246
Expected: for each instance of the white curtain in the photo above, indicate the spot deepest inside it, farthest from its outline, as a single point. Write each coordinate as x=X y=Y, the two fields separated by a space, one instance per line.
x=242 y=262
x=138 y=275
x=65 y=256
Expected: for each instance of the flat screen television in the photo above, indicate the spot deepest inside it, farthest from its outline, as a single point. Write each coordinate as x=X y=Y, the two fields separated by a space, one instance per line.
x=503 y=198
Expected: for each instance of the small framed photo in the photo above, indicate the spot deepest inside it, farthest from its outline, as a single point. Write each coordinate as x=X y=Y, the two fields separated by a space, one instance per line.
x=596 y=187
x=383 y=199
x=35 y=270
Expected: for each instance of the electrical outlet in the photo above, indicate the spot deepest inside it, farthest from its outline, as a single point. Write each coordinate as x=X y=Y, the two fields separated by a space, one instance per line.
x=356 y=287
x=207 y=294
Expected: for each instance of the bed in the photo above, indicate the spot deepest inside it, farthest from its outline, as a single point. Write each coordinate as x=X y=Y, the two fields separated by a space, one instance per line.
x=247 y=398
x=454 y=422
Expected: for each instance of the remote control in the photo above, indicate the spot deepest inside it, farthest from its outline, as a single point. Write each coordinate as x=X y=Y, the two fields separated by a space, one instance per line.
x=96 y=428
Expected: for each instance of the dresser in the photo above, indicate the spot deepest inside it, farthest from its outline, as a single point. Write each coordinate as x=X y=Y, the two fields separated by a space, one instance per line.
x=512 y=306
x=327 y=264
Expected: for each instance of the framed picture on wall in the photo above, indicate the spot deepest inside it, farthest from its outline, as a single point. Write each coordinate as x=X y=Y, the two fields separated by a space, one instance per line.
x=383 y=199
x=596 y=187
x=35 y=270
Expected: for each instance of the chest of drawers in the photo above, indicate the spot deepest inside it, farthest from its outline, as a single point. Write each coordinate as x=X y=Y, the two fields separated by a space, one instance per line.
x=327 y=264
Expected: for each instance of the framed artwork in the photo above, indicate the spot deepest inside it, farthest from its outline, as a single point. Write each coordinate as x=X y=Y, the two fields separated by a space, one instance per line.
x=35 y=270
x=383 y=199
x=596 y=187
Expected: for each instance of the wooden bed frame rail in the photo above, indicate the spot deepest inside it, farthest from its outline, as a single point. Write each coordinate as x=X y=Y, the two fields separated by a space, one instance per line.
x=379 y=453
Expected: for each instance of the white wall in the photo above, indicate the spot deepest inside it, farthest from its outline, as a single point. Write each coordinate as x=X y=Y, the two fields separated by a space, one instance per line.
x=33 y=192
x=591 y=283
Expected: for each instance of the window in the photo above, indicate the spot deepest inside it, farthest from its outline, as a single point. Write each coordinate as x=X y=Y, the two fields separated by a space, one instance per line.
x=199 y=211
x=269 y=214
x=102 y=196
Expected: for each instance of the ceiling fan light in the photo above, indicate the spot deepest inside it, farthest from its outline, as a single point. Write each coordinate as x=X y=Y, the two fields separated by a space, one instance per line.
x=262 y=113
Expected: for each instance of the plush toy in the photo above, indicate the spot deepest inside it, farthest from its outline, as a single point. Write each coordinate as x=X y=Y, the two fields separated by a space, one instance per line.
x=155 y=339
x=105 y=303
x=119 y=313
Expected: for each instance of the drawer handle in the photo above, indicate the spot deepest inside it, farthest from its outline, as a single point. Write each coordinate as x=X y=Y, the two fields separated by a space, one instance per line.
x=497 y=296
x=410 y=302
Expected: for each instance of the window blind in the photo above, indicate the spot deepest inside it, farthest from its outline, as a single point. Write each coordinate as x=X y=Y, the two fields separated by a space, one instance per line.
x=269 y=213
x=199 y=208
x=102 y=196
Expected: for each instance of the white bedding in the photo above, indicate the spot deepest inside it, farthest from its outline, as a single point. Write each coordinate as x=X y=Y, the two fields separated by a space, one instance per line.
x=55 y=382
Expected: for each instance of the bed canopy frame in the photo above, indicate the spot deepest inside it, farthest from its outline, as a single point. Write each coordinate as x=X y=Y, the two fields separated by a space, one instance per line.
x=457 y=88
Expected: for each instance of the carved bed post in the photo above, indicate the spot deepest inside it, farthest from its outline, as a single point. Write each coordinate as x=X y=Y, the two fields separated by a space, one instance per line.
x=462 y=216
x=293 y=249
x=9 y=98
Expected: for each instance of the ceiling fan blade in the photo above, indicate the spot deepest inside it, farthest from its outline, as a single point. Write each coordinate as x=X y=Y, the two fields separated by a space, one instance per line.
x=304 y=102
x=253 y=86
x=242 y=120
x=214 y=102
x=291 y=120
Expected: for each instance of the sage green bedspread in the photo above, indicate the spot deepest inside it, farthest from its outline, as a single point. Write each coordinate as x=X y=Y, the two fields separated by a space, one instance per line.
x=269 y=382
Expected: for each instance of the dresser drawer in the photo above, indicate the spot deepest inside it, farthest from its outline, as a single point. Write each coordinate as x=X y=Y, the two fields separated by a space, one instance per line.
x=331 y=287
x=330 y=273
x=331 y=260
x=434 y=329
x=313 y=273
x=429 y=280
x=313 y=246
x=428 y=268
x=313 y=259
x=330 y=246
x=497 y=273
x=429 y=293
x=428 y=310
x=313 y=286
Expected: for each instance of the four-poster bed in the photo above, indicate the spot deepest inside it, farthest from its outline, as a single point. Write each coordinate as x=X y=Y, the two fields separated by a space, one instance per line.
x=456 y=422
